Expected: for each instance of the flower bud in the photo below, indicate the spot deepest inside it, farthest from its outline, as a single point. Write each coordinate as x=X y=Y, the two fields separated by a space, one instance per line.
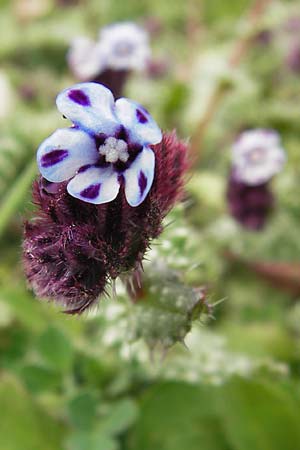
x=249 y=205
x=164 y=307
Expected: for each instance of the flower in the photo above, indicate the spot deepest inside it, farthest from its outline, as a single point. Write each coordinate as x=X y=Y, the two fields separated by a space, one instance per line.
x=121 y=46
x=257 y=155
x=125 y=45
x=107 y=146
x=86 y=232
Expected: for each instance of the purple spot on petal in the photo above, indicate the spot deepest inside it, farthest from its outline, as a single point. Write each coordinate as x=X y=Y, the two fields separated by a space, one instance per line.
x=53 y=157
x=91 y=192
x=141 y=117
x=142 y=182
x=78 y=96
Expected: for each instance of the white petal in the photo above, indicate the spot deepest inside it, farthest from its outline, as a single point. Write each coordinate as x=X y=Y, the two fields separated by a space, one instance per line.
x=124 y=30
x=139 y=177
x=95 y=185
x=254 y=174
x=85 y=59
x=141 y=126
x=64 y=152
x=256 y=138
x=89 y=105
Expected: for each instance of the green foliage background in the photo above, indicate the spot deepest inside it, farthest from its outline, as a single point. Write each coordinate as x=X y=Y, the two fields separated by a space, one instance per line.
x=88 y=383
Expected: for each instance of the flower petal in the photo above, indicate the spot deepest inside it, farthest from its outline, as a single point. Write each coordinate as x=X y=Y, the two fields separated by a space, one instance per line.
x=95 y=185
x=141 y=126
x=257 y=155
x=90 y=106
x=64 y=152
x=85 y=59
x=139 y=177
x=259 y=137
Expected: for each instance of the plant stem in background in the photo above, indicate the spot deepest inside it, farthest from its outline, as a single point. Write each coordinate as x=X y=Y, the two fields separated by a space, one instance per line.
x=239 y=51
x=16 y=195
x=280 y=275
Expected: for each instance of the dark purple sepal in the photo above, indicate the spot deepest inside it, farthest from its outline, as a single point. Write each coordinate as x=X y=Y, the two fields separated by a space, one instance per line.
x=115 y=80
x=249 y=205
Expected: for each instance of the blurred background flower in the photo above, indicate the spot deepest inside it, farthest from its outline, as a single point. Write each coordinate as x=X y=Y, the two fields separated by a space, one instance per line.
x=256 y=157
x=121 y=48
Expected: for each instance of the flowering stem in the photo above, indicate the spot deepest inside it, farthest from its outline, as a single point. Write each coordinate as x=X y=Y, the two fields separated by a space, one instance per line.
x=238 y=53
x=16 y=195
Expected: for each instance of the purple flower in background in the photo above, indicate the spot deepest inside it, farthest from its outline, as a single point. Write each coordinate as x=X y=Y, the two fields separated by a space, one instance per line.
x=257 y=155
x=120 y=47
x=107 y=146
x=292 y=25
x=125 y=46
x=293 y=58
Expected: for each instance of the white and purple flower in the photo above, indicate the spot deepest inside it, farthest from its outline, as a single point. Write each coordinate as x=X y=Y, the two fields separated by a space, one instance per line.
x=126 y=46
x=107 y=146
x=257 y=155
x=121 y=46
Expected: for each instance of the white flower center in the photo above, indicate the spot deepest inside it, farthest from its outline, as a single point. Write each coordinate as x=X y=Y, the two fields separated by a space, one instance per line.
x=257 y=155
x=114 y=149
x=123 y=49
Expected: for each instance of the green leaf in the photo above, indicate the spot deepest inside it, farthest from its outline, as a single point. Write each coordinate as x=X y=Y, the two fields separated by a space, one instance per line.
x=90 y=441
x=39 y=379
x=55 y=349
x=82 y=410
x=16 y=195
x=26 y=309
x=13 y=345
x=218 y=10
x=23 y=425
x=259 y=415
x=122 y=415
x=176 y=416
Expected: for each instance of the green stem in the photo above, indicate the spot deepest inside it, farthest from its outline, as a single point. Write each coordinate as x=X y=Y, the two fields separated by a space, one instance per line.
x=16 y=195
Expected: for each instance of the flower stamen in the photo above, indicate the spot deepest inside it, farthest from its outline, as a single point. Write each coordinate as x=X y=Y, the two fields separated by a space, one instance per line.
x=114 y=150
